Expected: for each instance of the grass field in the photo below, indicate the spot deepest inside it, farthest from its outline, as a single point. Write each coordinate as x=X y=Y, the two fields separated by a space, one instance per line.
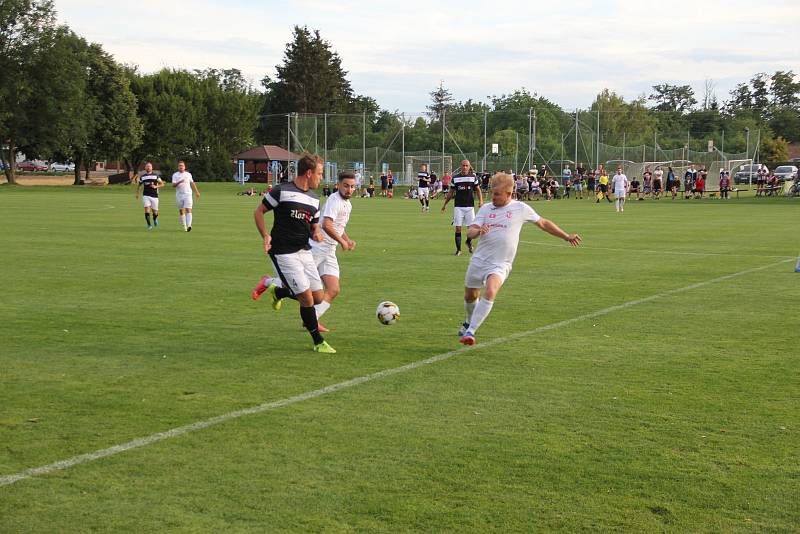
x=627 y=385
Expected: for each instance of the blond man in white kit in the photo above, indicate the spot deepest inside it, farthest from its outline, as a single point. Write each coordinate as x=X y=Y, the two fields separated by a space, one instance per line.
x=183 y=183
x=499 y=224
x=620 y=186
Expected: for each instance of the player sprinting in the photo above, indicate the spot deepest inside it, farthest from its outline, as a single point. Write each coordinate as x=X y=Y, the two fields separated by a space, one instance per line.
x=183 y=182
x=296 y=209
x=334 y=219
x=423 y=187
x=620 y=186
x=150 y=184
x=464 y=186
x=499 y=224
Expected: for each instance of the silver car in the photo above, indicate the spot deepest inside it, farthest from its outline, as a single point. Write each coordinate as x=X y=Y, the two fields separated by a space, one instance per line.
x=62 y=167
x=786 y=172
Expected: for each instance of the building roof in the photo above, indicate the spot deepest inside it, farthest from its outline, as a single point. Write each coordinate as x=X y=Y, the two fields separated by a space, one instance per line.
x=266 y=153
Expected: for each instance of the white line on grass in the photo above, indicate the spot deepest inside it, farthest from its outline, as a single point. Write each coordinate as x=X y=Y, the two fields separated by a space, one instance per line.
x=179 y=431
x=674 y=252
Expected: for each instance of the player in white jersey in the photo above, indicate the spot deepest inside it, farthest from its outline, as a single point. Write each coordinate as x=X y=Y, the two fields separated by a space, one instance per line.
x=620 y=185
x=183 y=182
x=499 y=224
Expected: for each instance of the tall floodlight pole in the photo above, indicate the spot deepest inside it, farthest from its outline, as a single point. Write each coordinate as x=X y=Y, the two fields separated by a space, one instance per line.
x=516 y=152
x=688 y=143
x=316 y=144
x=655 y=145
x=575 y=161
x=364 y=144
x=288 y=135
x=533 y=138
x=325 y=144
x=442 y=169
x=722 y=149
x=623 y=146
x=597 y=163
x=530 y=136
x=403 y=133
x=747 y=156
x=483 y=169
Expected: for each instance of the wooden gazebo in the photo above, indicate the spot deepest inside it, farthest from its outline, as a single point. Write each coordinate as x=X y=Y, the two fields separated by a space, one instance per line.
x=258 y=162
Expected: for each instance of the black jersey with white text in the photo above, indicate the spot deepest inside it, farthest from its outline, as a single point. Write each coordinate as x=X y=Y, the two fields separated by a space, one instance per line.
x=424 y=179
x=465 y=186
x=149 y=182
x=295 y=211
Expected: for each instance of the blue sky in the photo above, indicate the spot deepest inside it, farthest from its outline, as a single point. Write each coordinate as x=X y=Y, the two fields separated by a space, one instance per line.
x=400 y=51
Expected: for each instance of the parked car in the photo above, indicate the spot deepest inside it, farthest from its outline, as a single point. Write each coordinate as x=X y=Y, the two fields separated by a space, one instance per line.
x=742 y=176
x=31 y=166
x=785 y=173
x=62 y=167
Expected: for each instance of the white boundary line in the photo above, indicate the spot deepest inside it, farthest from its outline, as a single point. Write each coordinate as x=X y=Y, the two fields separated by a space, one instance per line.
x=673 y=252
x=6 y=480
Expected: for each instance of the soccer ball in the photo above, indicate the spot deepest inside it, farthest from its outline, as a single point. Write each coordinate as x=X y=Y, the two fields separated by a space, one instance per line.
x=387 y=312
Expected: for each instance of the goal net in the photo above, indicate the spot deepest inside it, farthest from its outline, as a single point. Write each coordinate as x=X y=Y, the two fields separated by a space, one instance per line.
x=436 y=164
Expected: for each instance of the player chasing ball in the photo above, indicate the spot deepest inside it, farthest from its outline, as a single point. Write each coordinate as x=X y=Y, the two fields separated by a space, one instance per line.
x=499 y=224
x=296 y=222
x=335 y=216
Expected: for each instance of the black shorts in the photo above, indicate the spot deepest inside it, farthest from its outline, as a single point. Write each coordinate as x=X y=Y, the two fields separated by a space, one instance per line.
x=604 y=188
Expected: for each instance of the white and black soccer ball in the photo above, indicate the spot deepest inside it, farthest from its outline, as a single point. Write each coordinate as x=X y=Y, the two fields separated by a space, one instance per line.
x=388 y=312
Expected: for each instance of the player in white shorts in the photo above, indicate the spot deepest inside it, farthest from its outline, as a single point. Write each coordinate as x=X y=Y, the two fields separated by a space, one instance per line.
x=463 y=187
x=183 y=182
x=499 y=224
x=296 y=209
x=151 y=183
x=620 y=186
x=334 y=219
x=423 y=187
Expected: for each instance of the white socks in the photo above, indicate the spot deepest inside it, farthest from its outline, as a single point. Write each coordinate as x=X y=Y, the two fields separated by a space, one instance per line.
x=322 y=307
x=183 y=221
x=479 y=315
x=188 y=219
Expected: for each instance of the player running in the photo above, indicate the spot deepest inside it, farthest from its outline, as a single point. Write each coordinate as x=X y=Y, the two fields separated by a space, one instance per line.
x=151 y=183
x=183 y=182
x=296 y=209
x=423 y=187
x=335 y=216
x=499 y=224
x=464 y=186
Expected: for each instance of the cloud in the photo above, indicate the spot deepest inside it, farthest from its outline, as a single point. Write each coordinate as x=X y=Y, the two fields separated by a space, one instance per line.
x=399 y=52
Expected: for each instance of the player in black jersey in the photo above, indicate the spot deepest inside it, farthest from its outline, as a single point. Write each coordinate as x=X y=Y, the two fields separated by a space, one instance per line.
x=151 y=183
x=423 y=187
x=464 y=186
x=296 y=209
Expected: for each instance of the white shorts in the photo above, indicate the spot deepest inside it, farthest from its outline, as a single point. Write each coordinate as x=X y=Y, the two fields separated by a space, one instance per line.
x=184 y=201
x=619 y=194
x=423 y=192
x=325 y=260
x=297 y=271
x=463 y=216
x=478 y=272
x=150 y=202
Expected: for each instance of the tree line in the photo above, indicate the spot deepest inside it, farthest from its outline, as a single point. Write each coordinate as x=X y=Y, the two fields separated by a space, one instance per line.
x=63 y=98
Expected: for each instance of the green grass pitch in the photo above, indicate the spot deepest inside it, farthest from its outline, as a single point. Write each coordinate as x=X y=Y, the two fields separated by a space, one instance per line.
x=677 y=413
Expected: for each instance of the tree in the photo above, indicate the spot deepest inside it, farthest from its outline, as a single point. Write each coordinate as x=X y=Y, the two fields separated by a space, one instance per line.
x=774 y=149
x=37 y=87
x=441 y=100
x=677 y=98
x=310 y=80
x=111 y=121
